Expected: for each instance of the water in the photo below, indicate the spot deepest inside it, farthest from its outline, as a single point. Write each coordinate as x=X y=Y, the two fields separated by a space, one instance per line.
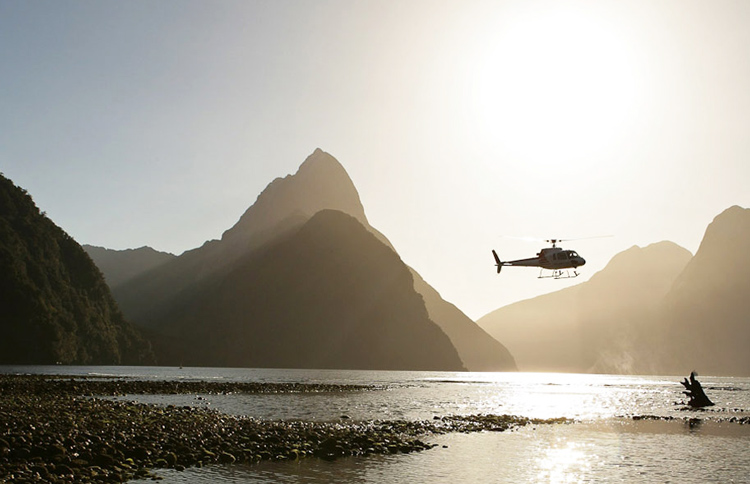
x=604 y=445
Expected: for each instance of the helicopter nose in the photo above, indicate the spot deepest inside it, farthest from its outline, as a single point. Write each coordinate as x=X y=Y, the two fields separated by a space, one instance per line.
x=581 y=261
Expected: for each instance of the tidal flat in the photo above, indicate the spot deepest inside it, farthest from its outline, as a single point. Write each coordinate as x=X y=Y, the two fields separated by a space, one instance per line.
x=69 y=429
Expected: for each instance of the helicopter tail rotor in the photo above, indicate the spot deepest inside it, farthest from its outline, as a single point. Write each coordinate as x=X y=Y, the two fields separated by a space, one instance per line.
x=498 y=262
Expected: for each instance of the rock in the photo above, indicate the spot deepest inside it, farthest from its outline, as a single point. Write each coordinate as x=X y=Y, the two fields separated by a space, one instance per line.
x=63 y=470
x=140 y=453
x=170 y=458
x=41 y=471
x=227 y=458
x=98 y=440
x=21 y=453
x=104 y=460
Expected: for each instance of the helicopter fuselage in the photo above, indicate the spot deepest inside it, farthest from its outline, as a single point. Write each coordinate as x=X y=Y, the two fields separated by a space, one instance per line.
x=557 y=258
x=552 y=258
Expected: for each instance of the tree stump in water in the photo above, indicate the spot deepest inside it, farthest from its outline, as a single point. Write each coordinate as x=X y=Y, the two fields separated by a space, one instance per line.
x=694 y=391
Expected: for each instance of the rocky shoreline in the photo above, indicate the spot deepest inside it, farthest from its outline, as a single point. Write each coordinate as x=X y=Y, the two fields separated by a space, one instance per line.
x=55 y=429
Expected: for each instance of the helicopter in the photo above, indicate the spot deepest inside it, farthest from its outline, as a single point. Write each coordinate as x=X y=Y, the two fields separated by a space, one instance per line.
x=555 y=259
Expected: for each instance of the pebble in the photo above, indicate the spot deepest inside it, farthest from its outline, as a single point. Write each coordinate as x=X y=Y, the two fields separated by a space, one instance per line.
x=55 y=430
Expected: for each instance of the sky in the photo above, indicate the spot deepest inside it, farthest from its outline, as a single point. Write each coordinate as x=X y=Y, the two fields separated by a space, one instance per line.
x=465 y=125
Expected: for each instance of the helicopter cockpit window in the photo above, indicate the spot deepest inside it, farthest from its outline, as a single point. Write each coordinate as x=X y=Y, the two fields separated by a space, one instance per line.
x=572 y=254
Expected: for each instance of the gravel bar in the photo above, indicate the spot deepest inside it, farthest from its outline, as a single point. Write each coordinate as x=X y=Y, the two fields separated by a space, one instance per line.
x=54 y=429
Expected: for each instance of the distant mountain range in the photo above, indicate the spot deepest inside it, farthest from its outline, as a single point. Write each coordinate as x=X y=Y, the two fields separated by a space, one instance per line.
x=650 y=310
x=301 y=280
x=119 y=266
x=54 y=304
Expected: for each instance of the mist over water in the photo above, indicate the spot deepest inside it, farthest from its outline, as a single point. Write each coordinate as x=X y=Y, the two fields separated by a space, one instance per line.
x=605 y=444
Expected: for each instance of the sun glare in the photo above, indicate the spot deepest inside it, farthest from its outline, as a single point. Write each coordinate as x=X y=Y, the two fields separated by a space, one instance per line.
x=566 y=462
x=553 y=86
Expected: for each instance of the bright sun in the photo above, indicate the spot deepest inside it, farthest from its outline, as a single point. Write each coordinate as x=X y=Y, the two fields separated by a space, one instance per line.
x=553 y=86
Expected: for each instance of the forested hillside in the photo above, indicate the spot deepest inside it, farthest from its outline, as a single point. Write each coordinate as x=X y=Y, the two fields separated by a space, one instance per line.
x=54 y=304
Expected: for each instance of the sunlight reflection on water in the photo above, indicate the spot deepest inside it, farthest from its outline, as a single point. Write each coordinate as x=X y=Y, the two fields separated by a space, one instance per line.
x=582 y=397
x=563 y=462
x=624 y=451
x=605 y=445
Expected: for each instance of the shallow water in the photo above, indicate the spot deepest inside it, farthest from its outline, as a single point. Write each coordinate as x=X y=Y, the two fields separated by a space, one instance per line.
x=604 y=445
x=546 y=454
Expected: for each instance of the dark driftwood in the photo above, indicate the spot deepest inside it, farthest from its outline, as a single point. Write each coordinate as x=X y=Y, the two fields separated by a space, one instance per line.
x=697 y=397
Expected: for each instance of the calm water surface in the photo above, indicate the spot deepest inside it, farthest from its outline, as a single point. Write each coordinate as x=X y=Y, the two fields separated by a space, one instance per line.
x=604 y=445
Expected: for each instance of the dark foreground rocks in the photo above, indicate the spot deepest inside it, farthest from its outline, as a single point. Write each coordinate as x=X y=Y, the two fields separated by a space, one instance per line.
x=51 y=431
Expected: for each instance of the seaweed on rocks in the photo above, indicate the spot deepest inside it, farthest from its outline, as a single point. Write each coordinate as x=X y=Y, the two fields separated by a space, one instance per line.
x=86 y=385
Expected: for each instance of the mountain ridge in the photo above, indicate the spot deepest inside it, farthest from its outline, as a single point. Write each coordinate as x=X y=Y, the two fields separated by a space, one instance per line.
x=119 y=266
x=303 y=194
x=680 y=312
x=595 y=325
x=707 y=311
x=287 y=309
x=286 y=205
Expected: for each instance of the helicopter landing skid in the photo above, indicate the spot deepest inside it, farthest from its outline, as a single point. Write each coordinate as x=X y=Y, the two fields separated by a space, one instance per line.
x=557 y=274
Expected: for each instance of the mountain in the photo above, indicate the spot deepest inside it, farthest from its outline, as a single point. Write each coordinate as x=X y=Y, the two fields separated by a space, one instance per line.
x=617 y=306
x=320 y=183
x=602 y=325
x=119 y=266
x=478 y=350
x=329 y=295
x=157 y=299
x=54 y=304
x=541 y=333
x=706 y=314
x=286 y=203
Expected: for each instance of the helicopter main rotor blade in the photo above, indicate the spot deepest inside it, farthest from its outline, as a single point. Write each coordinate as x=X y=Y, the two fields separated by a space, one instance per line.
x=525 y=238
x=584 y=238
x=553 y=240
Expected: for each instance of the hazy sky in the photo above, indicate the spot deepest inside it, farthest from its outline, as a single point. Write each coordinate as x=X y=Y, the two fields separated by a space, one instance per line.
x=461 y=123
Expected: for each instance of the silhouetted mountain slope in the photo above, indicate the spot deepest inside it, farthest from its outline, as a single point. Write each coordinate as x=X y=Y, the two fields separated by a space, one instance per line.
x=604 y=324
x=329 y=295
x=707 y=312
x=617 y=308
x=478 y=350
x=146 y=297
x=279 y=211
x=54 y=303
x=541 y=333
x=119 y=266
x=286 y=203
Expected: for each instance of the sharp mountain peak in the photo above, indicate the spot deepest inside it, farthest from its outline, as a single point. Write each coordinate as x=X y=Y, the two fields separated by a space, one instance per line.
x=321 y=182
